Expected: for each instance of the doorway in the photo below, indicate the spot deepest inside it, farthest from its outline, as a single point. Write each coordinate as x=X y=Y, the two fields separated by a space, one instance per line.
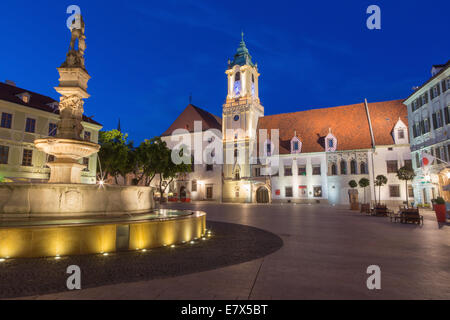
x=262 y=195
x=183 y=193
x=209 y=192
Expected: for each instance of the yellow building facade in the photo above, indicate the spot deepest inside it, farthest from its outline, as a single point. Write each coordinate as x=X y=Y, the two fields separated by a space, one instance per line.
x=24 y=117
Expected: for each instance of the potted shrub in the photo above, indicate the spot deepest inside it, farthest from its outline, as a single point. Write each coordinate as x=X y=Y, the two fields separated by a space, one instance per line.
x=364 y=183
x=440 y=210
x=353 y=195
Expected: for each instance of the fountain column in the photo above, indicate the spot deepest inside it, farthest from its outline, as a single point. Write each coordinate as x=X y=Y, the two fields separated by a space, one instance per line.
x=68 y=147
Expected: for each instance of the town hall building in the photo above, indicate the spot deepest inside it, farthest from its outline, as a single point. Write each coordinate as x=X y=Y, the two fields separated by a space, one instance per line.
x=303 y=157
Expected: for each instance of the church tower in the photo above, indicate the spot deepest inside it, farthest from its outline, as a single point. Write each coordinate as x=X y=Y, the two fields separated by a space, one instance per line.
x=239 y=122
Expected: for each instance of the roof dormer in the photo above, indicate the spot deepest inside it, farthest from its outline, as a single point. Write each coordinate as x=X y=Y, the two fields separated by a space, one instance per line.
x=296 y=144
x=24 y=96
x=400 y=132
x=330 y=142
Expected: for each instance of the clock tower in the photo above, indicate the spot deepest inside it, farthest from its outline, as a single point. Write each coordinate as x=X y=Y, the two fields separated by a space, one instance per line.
x=240 y=115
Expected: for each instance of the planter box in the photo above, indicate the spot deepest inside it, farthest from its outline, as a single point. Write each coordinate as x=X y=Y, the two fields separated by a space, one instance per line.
x=441 y=212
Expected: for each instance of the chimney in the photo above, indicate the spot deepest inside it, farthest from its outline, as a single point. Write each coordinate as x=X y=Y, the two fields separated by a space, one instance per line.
x=10 y=82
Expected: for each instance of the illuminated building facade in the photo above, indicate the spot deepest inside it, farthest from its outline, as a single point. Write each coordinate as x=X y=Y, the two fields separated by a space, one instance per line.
x=25 y=117
x=429 y=120
x=304 y=157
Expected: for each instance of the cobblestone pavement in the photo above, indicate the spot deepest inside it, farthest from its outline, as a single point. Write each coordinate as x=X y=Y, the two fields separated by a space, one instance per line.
x=325 y=255
x=230 y=244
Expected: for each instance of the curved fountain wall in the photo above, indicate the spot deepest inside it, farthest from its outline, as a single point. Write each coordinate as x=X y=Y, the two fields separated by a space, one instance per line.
x=99 y=236
x=60 y=200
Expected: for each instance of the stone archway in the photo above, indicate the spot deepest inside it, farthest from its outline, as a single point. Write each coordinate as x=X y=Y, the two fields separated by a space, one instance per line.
x=262 y=195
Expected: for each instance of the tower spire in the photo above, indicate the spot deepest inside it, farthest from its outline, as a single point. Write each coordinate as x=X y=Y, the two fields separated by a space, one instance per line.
x=242 y=56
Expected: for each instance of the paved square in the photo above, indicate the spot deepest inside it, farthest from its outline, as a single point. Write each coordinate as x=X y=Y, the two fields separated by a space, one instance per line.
x=325 y=256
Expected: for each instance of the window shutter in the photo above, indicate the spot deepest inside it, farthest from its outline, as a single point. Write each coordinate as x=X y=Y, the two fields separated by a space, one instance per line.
x=422 y=128
x=414 y=131
x=438 y=89
x=443 y=86
x=442 y=119
x=431 y=94
x=426 y=97
x=434 y=121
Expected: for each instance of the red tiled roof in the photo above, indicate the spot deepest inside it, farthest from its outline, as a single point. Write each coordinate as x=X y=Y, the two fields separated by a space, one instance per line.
x=192 y=113
x=349 y=124
x=37 y=101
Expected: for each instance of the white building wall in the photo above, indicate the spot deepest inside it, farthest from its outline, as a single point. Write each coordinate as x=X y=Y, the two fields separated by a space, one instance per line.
x=204 y=178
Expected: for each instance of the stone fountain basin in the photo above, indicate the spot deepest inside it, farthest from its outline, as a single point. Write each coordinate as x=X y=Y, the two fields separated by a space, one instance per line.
x=67 y=148
x=65 y=200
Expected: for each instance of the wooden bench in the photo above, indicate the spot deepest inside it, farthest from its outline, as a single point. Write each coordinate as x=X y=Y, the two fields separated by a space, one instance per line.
x=365 y=208
x=407 y=216
x=380 y=211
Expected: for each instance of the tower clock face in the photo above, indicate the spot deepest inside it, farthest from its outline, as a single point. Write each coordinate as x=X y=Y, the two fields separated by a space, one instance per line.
x=237 y=88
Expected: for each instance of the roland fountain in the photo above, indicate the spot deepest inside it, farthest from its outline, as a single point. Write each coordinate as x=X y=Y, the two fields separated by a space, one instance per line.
x=65 y=217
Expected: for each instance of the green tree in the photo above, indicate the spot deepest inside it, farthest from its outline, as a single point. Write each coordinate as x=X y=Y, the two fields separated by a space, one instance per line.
x=364 y=183
x=406 y=174
x=165 y=167
x=380 y=181
x=116 y=155
x=147 y=160
x=352 y=184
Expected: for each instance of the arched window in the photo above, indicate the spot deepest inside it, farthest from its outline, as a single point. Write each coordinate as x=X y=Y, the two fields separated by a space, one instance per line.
x=237 y=77
x=363 y=168
x=353 y=166
x=343 y=167
x=333 y=169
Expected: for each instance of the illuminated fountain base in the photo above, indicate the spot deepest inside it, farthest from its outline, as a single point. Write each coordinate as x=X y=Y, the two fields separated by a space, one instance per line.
x=97 y=235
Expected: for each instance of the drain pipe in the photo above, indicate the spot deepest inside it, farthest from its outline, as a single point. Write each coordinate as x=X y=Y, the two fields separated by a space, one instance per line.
x=373 y=146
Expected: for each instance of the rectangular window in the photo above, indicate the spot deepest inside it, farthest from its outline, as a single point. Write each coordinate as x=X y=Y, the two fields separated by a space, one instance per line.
x=27 y=158
x=418 y=160
x=392 y=166
x=86 y=163
x=401 y=134
x=410 y=191
x=302 y=191
x=257 y=172
x=447 y=115
x=287 y=171
x=302 y=171
x=194 y=186
x=408 y=163
x=316 y=170
x=394 y=191
x=288 y=192
x=30 y=125
x=4 y=152
x=6 y=120
x=318 y=192
x=52 y=127
x=87 y=136
x=209 y=167
x=330 y=143
x=295 y=145
x=444 y=154
x=438 y=155
x=426 y=125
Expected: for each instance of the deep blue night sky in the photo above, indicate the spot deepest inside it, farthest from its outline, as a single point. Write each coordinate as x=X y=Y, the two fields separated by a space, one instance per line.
x=145 y=57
